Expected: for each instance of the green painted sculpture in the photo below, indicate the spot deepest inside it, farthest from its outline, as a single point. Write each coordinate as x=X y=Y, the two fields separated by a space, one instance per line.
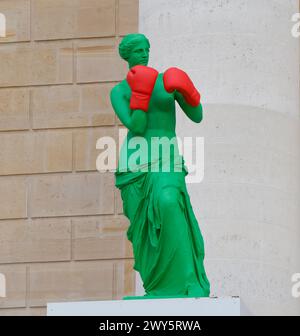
x=167 y=243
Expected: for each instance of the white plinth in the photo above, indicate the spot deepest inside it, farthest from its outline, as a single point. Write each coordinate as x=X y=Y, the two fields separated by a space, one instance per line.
x=227 y=306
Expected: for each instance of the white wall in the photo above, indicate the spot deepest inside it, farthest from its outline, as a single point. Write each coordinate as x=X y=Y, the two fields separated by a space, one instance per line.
x=243 y=59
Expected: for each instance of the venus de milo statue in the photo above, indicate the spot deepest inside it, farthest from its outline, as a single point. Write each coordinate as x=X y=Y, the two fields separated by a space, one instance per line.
x=167 y=243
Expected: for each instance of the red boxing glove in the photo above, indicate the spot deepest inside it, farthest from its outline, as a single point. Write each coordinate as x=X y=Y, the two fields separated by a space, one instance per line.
x=141 y=80
x=176 y=79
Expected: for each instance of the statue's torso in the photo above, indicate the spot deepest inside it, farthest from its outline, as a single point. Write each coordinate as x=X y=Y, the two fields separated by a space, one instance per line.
x=161 y=122
x=161 y=116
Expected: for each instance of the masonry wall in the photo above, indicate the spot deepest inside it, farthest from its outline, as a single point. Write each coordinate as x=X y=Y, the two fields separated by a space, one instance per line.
x=62 y=232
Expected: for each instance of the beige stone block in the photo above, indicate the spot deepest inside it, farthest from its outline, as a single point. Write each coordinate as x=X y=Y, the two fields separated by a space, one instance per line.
x=61 y=19
x=71 y=195
x=76 y=281
x=35 y=240
x=17 y=14
x=38 y=64
x=13 y=202
x=98 y=61
x=117 y=120
x=39 y=311
x=128 y=16
x=72 y=106
x=124 y=279
x=86 y=153
x=14 y=109
x=15 y=280
x=40 y=152
x=95 y=101
x=119 y=202
x=101 y=238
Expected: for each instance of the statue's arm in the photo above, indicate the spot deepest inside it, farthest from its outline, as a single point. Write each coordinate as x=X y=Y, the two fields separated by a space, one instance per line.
x=134 y=120
x=195 y=113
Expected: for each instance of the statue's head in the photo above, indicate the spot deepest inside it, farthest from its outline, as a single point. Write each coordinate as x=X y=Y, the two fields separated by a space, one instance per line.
x=134 y=49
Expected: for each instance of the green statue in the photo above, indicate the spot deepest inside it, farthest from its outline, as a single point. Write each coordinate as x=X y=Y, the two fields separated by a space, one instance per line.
x=167 y=243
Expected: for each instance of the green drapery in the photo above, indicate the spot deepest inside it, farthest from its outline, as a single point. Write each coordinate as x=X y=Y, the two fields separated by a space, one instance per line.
x=167 y=243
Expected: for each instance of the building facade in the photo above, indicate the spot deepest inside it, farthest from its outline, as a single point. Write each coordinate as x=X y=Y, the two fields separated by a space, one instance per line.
x=62 y=229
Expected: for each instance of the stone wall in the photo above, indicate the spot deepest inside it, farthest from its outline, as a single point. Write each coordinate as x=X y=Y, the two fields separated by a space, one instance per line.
x=62 y=232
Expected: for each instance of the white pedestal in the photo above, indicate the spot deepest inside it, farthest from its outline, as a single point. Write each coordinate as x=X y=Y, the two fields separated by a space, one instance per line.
x=227 y=306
